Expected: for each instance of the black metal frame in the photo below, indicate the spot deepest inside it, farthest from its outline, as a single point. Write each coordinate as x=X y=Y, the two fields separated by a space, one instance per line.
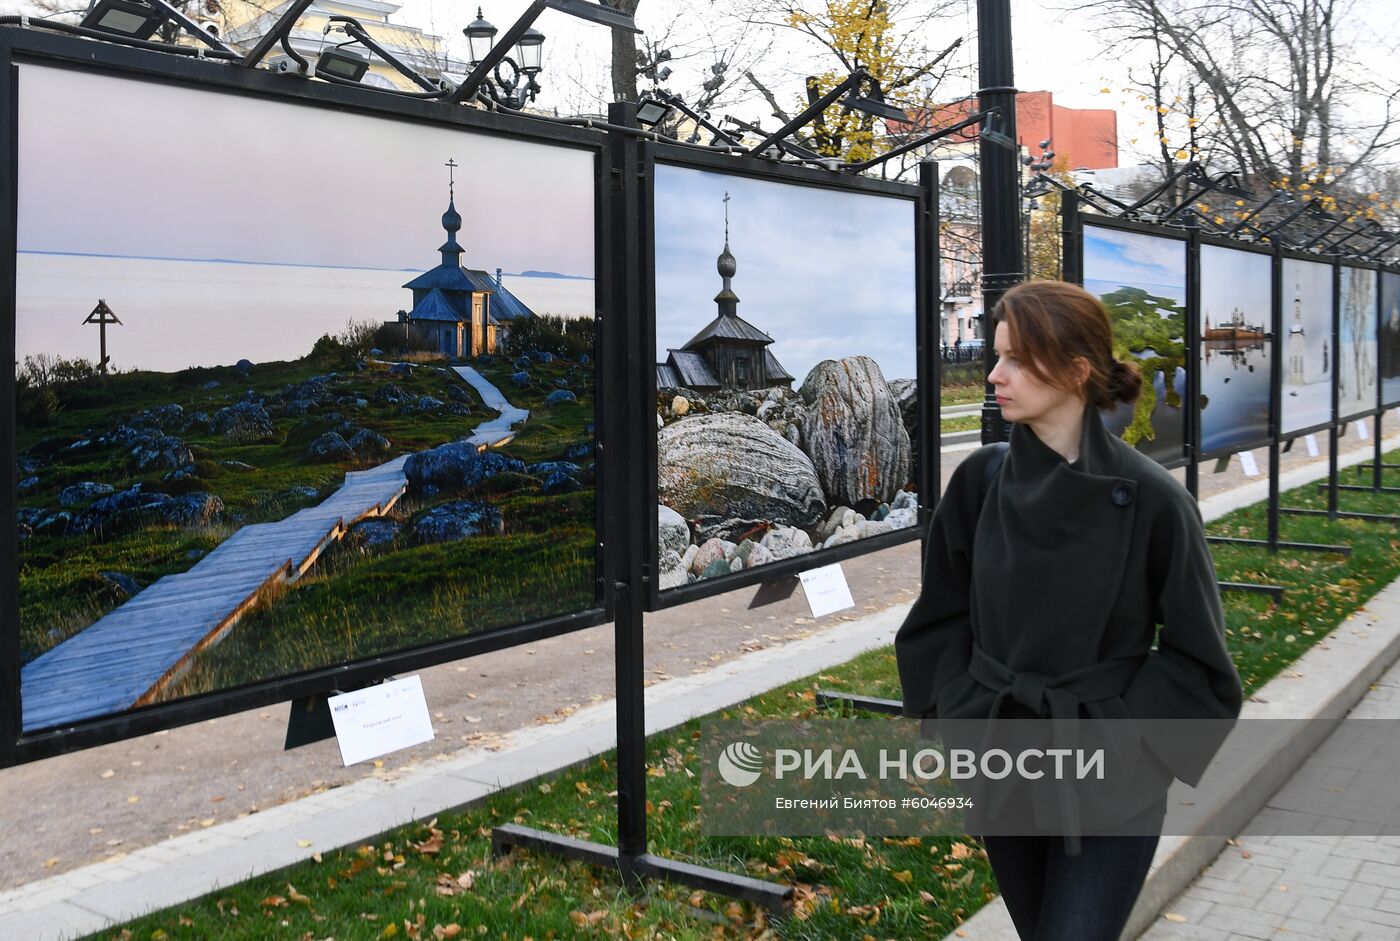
x=1197 y=243
x=1074 y=271
x=924 y=202
x=21 y=47
x=630 y=412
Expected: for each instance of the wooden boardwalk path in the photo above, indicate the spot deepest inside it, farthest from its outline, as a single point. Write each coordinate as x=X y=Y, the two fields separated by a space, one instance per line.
x=498 y=430
x=128 y=657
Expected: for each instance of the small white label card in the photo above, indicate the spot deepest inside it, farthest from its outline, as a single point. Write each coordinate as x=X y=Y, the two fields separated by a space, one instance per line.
x=826 y=589
x=1361 y=431
x=380 y=719
x=1311 y=442
x=1248 y=464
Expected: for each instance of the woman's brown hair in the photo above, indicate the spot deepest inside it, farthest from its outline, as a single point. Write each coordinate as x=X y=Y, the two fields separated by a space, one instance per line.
x=1052 y=324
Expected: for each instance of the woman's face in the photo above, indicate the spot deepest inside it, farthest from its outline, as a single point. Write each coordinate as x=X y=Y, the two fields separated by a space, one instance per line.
x=1021 y=396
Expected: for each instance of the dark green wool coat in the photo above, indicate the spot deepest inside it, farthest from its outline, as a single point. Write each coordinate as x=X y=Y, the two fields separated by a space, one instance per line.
x=1067 y=570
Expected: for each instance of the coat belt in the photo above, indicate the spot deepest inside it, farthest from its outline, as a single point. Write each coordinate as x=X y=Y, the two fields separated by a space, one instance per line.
x=1059 y=698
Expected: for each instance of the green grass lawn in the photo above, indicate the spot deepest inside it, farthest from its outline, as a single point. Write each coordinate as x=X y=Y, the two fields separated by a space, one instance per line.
x=438 y=879
x=961 y=423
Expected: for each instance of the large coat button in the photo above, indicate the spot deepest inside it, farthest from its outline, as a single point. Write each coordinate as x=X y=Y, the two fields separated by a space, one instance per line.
x=1122 y=495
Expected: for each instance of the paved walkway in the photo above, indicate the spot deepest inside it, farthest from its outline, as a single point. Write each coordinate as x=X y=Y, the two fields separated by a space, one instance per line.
x=500 y=429
x=130 y=655
x=1337 y=888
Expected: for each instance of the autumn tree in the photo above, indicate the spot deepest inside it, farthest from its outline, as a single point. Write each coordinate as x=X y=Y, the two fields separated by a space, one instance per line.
x=1279 y=89
x=883 y=37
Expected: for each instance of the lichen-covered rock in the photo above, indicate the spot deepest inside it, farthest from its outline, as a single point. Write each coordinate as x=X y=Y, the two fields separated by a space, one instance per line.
x=560 y=397
x=458 y=520
x=854 y=432
x=559 y=482
x=330 y=448
x=243 y=421
x=83 y=492
x=759 y=555
x=719 y=469
x=373 y=533
x=672 y=531
x=162 y=451
x=366 y=442
x=161 y=417
x=455 y=466
x=135 y=507
x=521 y=378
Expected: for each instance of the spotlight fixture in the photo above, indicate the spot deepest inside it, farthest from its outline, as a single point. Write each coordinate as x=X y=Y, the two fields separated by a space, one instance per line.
x=123 y=18
x=652 y=111
x=875 y=104
x=992 y=133
x=339 y=63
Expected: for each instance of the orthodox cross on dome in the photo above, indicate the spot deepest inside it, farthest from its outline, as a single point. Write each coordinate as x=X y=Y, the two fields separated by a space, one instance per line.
x=726 y=217
x=451 y=166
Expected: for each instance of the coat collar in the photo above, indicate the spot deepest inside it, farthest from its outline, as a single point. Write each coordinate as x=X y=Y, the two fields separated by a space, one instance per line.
x=1098 y=452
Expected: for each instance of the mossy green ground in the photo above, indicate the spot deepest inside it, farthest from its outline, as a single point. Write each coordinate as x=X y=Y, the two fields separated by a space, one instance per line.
x=353 y=603
x=438 y=879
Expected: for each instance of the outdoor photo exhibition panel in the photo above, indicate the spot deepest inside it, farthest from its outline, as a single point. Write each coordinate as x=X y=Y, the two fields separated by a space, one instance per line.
x=1141 y=277
x=1358 y=352
x=1390 y=339
x=788 y=335
x=345 y=423
x=1307 y=345
x=1234 y=321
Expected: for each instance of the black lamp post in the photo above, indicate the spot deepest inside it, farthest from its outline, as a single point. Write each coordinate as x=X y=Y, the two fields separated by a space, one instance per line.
x=488 y=56
x=1002 y=262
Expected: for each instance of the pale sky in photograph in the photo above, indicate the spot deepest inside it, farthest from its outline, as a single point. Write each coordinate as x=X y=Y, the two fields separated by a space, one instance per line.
x=125 y=167
x=1134 y=259
x=826 y=274
x=1232 y=279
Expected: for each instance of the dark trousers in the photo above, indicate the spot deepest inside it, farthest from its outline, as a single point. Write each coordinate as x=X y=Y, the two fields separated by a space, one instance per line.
x=1055 y=897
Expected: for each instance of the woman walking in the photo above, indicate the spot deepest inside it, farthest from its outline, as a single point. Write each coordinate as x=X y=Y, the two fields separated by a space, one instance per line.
x=1071 y=581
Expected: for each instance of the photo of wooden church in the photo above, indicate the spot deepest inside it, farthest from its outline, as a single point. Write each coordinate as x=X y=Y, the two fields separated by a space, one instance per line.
x=461 y=312
x=730 y=354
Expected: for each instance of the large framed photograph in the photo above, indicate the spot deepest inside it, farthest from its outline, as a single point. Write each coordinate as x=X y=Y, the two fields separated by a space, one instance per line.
x=1141 y=277
x=1358 y=347
x=313 y=395
x=788 y=343
x=1235 y=323
x=1390 y=339
x=1308 y=348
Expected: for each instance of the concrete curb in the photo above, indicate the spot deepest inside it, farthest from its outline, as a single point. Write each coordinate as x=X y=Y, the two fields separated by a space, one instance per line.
x=1324 y=684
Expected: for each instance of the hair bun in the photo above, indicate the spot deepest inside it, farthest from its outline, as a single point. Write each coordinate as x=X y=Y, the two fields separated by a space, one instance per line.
x=1124 y=381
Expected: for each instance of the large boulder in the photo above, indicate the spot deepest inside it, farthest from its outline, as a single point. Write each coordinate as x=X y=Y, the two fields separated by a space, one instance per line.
x=560 y=397
x=330 y=448
x=162 y=417
x=136 y=507
x=727 y=471
x=367 y=442
x=458 y=520
x=82 y=492
x=162 y=451
x=854 y=431
x=455 y=466
x=244 y=421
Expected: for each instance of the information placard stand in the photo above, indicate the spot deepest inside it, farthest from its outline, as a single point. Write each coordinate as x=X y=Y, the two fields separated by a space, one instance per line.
x=625 y=421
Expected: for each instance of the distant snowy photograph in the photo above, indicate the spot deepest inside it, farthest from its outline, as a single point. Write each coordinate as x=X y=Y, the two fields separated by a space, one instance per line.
x=1307 y=345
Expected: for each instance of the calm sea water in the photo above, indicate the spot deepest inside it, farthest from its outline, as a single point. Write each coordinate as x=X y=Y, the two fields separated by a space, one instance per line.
x=177 y=314
x=1235 y=384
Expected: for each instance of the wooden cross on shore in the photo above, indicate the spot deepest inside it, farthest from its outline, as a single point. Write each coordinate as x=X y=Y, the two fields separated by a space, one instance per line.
x=102 y=315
